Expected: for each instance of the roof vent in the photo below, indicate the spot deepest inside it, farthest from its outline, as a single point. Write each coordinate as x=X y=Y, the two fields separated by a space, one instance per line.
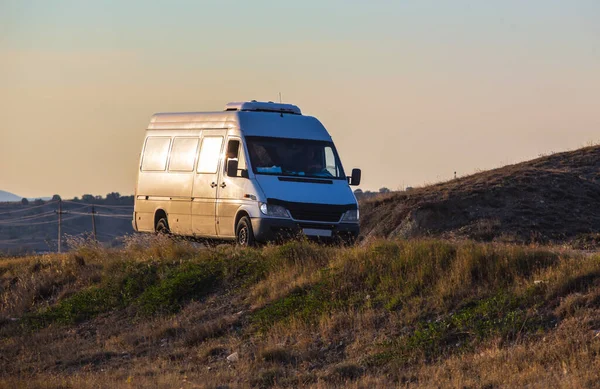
x=260 y=106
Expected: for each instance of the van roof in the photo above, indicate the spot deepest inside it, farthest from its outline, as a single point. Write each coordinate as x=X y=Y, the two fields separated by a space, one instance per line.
x=250 y=123
x=261 y=106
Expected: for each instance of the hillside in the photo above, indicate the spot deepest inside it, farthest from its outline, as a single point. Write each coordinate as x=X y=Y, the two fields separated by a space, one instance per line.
x=163 y=314
x=552 y=199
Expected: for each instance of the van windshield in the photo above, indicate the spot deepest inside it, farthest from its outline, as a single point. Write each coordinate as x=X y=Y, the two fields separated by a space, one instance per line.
x=294 y=157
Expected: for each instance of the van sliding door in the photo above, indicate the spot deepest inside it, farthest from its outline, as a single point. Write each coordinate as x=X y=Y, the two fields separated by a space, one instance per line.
x=178 y=183
x=204 y=192
x=231 y=189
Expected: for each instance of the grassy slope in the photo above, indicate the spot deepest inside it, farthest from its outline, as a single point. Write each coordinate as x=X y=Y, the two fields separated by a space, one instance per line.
x=390 y=313
x=549 y=199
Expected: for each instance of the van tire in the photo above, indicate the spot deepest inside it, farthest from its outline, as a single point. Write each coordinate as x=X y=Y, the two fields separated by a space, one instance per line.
x=244 y=236
x=162 y=226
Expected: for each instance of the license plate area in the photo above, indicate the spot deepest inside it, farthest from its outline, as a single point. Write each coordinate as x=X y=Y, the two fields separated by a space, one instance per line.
x=316 y=232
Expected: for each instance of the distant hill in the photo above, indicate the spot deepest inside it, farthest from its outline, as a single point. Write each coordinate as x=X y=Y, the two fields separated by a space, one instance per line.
x=552 y=199
x=11 y=197
x=8 y=197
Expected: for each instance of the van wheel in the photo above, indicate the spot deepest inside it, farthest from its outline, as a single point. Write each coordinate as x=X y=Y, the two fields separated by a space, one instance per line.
x=244 y=236
x=162 y=226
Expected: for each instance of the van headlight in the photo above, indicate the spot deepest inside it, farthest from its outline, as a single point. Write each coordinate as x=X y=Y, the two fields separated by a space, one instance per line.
x=351 y=216
x=274 y=210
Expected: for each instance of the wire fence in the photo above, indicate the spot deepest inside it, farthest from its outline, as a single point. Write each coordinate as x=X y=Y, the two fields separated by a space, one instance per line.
x=62 y=213
x=28 y=208
x=30 y=217
x=98 y=205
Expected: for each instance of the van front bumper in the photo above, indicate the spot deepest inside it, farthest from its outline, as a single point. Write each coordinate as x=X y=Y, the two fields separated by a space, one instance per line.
x=272 y=229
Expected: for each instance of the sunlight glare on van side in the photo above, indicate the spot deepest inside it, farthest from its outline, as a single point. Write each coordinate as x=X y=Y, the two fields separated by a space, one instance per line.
x=209 y=154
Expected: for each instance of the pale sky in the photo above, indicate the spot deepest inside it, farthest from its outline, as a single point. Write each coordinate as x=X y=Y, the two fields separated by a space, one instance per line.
x=410 y=91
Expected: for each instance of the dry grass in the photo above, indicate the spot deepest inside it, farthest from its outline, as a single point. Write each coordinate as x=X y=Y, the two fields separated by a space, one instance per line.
x=423 y=313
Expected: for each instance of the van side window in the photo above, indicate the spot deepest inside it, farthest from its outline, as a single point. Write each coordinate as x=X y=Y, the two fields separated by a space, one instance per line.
x=209 y=154
x=235 y=151
x=241 y=158
x=183 y=154
x=233 y=148
x=156 y=152
x=330 y=164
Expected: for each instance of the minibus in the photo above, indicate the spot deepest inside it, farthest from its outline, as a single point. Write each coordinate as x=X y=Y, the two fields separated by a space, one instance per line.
x=255 y=172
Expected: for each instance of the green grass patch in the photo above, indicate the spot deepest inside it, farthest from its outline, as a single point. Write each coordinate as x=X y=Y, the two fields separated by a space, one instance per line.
x=157 y=287
x=302 y=303
x=180 y=284
x=81 y=306
x=503 y=315
x=121 y=285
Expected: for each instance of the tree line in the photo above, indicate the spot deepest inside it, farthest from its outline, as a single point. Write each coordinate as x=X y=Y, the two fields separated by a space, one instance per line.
x=113 y=198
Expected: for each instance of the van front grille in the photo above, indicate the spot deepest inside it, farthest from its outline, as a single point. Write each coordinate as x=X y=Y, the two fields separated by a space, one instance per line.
x=331 y=213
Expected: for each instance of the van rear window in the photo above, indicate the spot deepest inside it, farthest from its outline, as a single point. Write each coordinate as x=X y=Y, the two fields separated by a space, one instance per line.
x=156 y=153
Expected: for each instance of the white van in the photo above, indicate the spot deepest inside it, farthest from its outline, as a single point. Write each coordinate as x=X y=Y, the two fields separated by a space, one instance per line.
x=255 y=172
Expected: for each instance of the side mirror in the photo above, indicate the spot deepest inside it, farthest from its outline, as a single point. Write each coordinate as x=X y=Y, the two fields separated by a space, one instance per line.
x=232 y=167
x=355 y=178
